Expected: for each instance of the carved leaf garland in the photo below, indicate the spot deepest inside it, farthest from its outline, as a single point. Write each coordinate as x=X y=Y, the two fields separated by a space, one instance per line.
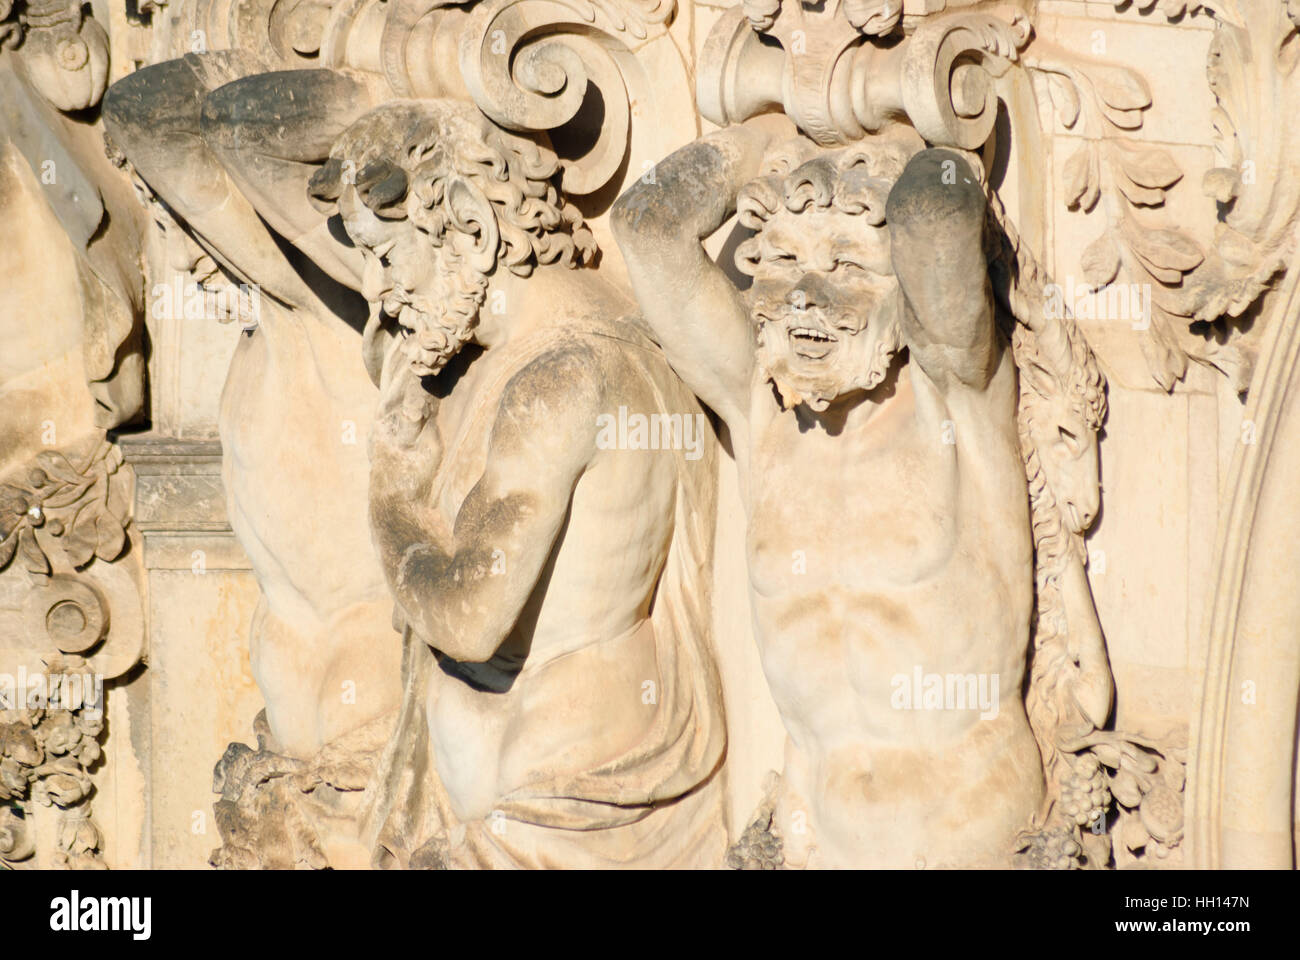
x=1105 y=103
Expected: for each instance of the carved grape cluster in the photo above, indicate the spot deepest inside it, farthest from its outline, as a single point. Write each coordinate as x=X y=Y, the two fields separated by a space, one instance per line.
x=1055 y=849
x=1085 y=797
x=759 y=848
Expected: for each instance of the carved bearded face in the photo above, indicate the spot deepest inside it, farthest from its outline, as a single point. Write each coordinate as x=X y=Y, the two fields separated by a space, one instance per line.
x=825 y=302
x=433 y=294
x=437 y=199
x=825 y=306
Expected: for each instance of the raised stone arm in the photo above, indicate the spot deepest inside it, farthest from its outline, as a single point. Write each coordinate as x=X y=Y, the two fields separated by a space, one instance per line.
x=693 y=307
x=936 y=216
x=462 y=581
x=271 y=131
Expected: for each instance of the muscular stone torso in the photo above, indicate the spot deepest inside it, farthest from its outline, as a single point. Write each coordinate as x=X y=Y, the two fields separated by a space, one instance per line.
x=872 y=553
x=294 y=443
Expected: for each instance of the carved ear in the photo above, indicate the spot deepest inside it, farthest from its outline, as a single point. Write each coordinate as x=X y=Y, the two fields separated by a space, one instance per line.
x=478 y=237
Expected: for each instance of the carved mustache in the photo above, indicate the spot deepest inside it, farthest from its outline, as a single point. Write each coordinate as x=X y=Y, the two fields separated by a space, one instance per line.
x=778 y=310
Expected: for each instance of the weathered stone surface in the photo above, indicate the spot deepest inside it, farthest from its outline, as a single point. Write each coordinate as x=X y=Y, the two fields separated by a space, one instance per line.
x=643 y=433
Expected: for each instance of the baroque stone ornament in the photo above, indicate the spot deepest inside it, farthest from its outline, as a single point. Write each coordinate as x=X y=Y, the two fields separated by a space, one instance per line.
x=71 y=608
x=762 y=435
x=833 y=77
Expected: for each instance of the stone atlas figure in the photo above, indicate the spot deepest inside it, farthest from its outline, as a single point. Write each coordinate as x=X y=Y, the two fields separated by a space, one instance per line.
x=888 y=525
x=562 y=706
x=418 y=188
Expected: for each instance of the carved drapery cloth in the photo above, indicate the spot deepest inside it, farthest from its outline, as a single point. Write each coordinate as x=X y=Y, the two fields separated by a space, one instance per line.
x=659 y=803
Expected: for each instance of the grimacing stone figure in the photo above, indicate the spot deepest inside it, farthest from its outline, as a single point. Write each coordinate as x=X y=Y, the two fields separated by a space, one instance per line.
x=562 y=706
x=887 y=521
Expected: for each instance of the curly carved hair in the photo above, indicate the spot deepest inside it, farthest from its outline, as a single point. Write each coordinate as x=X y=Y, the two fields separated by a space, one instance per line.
x=798 y=176
x=403 y=155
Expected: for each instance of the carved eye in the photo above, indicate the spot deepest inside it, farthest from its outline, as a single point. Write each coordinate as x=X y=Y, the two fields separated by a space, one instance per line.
x=1072 y=442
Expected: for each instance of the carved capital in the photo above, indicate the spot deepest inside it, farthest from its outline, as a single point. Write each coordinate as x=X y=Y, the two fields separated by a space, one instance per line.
x=838 y=81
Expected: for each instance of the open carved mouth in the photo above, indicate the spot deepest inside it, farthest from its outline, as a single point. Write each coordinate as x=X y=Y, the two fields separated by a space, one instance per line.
x=811 y=343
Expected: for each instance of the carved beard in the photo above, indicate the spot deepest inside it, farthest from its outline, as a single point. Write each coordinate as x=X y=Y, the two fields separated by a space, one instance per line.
x=861 y=360
x=440 y=326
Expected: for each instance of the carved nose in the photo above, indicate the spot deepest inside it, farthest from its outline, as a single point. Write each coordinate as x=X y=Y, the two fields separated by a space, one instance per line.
x=1088 y=512
x=810 y=291
x=1085 y=509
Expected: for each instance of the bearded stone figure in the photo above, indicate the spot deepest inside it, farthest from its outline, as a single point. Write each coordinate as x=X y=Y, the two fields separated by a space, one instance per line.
x=562 y=706
x=872 y=405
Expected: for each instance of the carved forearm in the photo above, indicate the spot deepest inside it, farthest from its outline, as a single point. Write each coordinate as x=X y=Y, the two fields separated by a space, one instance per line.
x=936 y=214
x=687 y=299
x=461 y=582
x=452 y=590
x=692 y=192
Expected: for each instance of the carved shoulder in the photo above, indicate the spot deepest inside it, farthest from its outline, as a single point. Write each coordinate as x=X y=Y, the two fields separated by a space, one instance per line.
x=550 y=405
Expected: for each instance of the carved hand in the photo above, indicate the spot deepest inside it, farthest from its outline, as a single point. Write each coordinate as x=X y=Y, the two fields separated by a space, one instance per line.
x=772 y=128
x=405 y=444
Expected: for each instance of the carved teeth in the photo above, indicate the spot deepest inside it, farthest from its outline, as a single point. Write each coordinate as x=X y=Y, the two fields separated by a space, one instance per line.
x=808 y=333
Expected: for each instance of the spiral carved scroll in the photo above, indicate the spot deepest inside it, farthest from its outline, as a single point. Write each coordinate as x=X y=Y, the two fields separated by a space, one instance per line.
x=533 y=65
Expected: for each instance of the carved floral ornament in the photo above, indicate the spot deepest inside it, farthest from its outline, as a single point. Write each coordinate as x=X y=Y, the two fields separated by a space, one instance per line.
x=61 y=511
x=46 y=753
x=63 y=519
